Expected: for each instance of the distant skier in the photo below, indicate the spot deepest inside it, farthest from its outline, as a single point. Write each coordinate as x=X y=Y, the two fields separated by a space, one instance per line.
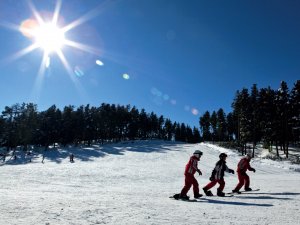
x=217 y=176
x=190 y=169
x=71 y=157
x=242 y=167
x=3 y=156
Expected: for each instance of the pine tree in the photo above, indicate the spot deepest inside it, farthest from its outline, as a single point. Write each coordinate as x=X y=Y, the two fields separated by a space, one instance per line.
x=68 y=124
x=50 y=126
x=154 y=125
x=2 y=130
x=241 y=107
x=10 y=115
x=254 y=117
x=189 y=135
x=295 y=112
x=231 y=126
x=205 y=126
x=169 y=130
x=221 y=125
x=267 y=116
x=282 y=113
x=213 y=125
x=161 y=131
x=133 y=126
x=196 y=135
x=27 y=124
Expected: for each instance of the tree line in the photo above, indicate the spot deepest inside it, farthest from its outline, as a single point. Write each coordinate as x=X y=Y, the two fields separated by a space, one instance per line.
x=259 y=115
x=23 y=125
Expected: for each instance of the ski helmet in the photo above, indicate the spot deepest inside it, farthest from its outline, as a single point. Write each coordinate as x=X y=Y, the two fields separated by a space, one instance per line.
x=198 y=153
x=248 y=155
x=222 y=155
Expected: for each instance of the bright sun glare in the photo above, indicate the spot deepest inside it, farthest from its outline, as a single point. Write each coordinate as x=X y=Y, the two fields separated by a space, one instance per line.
x=46 y=34
x=49 y=37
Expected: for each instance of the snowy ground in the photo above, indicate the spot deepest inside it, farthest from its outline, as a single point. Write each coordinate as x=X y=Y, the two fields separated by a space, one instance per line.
x=130 y=183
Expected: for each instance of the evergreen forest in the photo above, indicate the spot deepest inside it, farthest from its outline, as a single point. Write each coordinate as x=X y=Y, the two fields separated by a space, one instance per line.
x=267 y=116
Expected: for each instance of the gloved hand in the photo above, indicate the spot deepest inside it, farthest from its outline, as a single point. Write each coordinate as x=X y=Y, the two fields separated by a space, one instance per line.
x=200 y=173
x=253 y=170
x=231 y=171
x=211 y=178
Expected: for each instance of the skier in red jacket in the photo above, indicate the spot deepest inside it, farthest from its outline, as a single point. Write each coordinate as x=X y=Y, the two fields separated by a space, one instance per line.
x=242 y=167
x=190 y=169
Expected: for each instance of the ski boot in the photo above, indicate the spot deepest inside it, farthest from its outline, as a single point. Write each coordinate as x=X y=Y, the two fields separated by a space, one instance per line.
x=176 y=196
x=236 y=191
x=248 y=189
x=207 y=192
x=184 y=197
x=197 y=195
x=220 y=193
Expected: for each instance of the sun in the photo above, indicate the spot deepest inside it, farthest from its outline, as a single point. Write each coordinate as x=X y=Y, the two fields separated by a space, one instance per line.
x=45 y=35
x=49 y=37
x=47 y=31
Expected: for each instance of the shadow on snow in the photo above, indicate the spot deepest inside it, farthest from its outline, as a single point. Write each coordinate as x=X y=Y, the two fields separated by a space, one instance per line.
x=86 y=153
x=234 y=203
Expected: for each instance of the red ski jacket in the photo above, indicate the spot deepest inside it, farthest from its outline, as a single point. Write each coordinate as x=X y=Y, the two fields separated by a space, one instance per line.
x=192 y=166
x=244 y=165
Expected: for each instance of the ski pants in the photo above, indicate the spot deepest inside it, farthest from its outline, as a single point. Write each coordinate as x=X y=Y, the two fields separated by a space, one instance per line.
x=214 y=182
x=243 y=179
x=189 y=181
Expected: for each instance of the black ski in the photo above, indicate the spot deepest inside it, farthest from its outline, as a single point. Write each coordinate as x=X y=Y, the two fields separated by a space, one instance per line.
x=227 y=195
x=232 y=193
x=176 y=197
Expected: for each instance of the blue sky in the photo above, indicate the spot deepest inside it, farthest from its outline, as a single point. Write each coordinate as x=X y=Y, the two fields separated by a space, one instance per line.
x=180 y=58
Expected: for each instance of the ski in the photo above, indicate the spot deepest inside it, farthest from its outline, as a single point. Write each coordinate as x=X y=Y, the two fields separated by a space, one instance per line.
x=233 y=193
x=176 y=197
x=225 y=196
x=184 y=200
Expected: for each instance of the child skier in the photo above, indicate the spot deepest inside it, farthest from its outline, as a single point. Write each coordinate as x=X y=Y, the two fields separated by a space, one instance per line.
x=242 y=167
x=190 y=169
x=217 y=176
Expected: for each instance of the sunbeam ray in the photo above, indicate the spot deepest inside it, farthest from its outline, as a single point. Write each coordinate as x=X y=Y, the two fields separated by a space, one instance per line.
x=56 y=12
x=71 y=74
x=88 y=16
x=22 y=52
x=82 y=47
x=10 y=26
x=35 y=13
x=65 y=63
x=39 y=79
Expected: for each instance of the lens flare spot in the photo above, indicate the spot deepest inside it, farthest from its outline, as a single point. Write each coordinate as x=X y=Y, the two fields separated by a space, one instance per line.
x=28 y=26
x=166 y=97
x=173 y=102
x=126 y=76
x=155 y=91
x=78 y=71
x=99 y=62
x=195 y=111
x=187 y=108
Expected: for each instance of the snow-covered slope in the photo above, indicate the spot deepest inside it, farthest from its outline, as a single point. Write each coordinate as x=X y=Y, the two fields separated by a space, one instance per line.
x=130 y=183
